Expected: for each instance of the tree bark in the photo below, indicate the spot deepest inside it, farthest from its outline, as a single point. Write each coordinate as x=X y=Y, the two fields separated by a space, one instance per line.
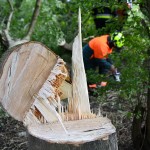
x=137 y=135
x=147 y=139
x=38 y=144
x=87 y=134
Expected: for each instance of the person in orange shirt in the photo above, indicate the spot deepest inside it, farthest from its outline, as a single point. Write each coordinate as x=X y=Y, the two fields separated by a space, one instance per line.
x=96 y=52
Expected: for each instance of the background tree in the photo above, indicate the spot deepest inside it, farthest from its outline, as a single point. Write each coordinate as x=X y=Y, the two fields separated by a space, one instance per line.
x=142 y=123
x=7 y=40
x=134 y=65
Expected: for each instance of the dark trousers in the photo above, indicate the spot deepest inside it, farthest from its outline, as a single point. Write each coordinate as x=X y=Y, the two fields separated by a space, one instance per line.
x=92 y=63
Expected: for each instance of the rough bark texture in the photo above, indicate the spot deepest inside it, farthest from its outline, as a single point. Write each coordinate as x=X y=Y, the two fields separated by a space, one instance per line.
x=137 y=135
x=110 y=144
x=96 y=133
x=147 y=140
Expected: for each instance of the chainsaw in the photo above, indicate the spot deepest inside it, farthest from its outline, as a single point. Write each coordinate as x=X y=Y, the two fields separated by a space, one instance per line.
x=115 y=76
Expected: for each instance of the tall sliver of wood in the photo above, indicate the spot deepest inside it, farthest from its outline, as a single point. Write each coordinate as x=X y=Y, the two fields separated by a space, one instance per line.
x=32 y=88
x=80 y=98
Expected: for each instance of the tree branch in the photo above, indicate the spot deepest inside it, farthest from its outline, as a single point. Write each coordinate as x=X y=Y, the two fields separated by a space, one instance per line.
x=64 y=44
x=7 y=38
x=34 y=19
x=10 y=15
x=68 y=46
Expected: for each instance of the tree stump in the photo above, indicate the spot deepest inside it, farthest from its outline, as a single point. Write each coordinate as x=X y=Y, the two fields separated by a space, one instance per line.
x=32 y=84
x=37 y=144
x=89 y=134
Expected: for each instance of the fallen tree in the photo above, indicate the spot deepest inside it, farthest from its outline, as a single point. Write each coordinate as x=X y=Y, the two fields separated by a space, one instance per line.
x=32 y=82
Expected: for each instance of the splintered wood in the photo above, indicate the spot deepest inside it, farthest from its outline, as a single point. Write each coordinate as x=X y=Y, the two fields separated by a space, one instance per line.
x=79 y=105
x=47 y=100
x=47 y=107
x=23 y=71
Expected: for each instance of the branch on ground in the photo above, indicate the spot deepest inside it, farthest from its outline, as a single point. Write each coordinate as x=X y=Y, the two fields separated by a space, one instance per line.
x=64 y=44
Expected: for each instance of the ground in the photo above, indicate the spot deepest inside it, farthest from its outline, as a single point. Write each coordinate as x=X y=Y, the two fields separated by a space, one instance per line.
x=13 y=134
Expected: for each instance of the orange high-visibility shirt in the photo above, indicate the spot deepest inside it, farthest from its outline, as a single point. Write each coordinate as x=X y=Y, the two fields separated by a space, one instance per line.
x=100 y=47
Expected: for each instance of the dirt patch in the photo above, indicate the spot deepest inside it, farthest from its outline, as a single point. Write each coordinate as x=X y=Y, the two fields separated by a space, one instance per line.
x=12 y=134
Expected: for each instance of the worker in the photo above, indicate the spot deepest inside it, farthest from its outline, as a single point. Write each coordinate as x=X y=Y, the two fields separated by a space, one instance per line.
x=96 y=52
x=104 y=15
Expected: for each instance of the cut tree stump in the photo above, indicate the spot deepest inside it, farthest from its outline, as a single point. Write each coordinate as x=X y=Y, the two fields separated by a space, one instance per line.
x=88 y=134
x=110 y=144
x=32 y=81
x=32 y=88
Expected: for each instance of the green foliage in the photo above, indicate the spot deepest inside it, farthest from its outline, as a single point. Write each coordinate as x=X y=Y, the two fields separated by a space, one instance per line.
x=2 y=116
x=2 y=113
x=131 y=62
x=59 y=19
x=93 y=76
x=4 y=11
x=21 y=18
x=47 y=29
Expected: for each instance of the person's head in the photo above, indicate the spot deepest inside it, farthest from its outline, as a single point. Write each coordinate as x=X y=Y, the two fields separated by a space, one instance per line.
x=118 y=39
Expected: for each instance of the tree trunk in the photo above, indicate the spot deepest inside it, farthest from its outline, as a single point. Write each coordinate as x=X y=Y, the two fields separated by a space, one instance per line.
x=88 y=134
x=38 y=144
x=147 y=138
x=137 y=135
x=141 y=125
